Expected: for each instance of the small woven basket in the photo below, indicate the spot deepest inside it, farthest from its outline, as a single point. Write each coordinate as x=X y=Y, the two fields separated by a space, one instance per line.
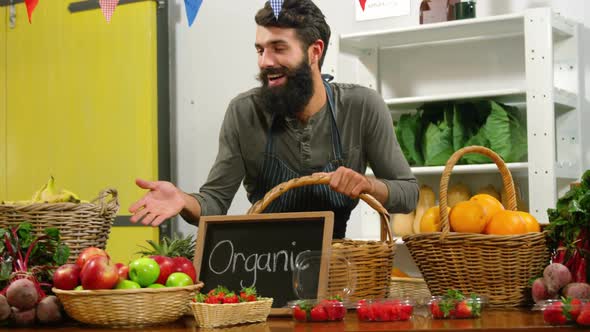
x=80 y=225
x=371 y=261
x=215 y=315
x=127 y=307
x=496 y=266
x=413 y=288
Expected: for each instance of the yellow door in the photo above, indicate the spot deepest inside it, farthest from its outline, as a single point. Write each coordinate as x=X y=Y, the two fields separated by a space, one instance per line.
x=81 y=105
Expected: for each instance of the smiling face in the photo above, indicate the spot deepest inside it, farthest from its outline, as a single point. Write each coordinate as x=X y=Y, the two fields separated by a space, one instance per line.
x=286 y=72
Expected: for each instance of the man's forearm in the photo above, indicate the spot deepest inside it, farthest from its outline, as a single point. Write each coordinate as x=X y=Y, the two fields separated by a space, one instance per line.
x=192 y=209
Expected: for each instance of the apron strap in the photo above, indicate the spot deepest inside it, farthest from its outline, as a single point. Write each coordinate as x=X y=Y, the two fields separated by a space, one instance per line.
x=336 y=145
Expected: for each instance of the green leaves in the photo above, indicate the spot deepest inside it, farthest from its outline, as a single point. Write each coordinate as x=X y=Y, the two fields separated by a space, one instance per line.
x=431 y=135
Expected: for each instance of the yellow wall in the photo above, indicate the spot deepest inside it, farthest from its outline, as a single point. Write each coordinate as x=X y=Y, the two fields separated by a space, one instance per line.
x=81 y=105
x=3 y=27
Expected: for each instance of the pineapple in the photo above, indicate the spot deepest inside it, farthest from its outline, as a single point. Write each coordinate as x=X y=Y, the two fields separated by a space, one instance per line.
x=175 y=247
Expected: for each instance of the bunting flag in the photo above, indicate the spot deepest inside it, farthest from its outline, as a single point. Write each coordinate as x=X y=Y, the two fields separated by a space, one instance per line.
x=31 y=4
x=108 y=8
x=192 y=8
x=276 y=5
x=363 y=2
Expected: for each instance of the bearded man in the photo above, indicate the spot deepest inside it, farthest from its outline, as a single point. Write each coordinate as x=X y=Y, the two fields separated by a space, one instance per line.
x=296 y=123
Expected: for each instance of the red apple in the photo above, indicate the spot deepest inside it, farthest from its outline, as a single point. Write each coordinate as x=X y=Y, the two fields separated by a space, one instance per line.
x=85 y=255
x=167 y=267
x=123 y=271
x=66 y=277
x=184 y=265
x=99 y=273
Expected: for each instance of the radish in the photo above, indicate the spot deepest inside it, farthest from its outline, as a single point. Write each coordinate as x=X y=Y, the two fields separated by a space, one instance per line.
x=4 y=308
x=22 y=294
x=23 y=317
x=49 y=310
x=556 y=276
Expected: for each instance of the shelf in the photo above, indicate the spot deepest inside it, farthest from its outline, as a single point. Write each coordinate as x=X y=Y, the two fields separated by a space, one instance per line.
x=564 y=100
x=492 y=27
x=465 y=169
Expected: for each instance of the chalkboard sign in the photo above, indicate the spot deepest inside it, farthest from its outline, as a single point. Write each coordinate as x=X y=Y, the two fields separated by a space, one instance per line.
x=260 y=250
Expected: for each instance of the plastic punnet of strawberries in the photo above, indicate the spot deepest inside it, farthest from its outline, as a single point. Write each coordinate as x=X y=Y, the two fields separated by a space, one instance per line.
x=385 y=310
x=565 y=311
x=222 y=295
x=318 y=310
x=455 y=304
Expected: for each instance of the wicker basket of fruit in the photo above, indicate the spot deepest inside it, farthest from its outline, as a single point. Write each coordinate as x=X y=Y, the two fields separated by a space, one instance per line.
x=371 y=261
x=81 y=224
x=493 y=265
x=223 y=308
x=127 y=307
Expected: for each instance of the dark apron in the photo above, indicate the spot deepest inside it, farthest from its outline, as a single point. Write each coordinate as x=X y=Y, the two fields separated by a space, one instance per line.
x=307 y=198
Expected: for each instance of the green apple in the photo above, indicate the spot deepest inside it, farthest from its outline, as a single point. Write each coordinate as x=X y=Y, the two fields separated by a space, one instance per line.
x=144 y=271
x=156 y=286
x=178 y=279
x=79 y=287
x=127 y=284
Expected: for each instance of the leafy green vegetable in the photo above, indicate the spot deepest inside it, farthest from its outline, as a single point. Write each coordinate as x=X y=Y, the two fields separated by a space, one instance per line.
x=408 y=131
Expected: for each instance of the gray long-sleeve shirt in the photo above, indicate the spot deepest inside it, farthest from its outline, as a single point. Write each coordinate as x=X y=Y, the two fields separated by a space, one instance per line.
x=366 y=133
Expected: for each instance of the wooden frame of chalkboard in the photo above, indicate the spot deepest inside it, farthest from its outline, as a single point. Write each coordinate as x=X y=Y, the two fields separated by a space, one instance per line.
x=260 y=250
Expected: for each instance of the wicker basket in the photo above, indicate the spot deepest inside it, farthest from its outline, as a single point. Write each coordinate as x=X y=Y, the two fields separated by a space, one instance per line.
x=413 y=288
x=371 y=261
x=215 y=315
x=80 y=225
x=127 y=307
x=496 y=266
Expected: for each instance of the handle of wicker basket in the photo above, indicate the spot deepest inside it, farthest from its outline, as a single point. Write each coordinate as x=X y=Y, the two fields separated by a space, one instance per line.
x=444 y=180
x=278 y=190
x=110 y=207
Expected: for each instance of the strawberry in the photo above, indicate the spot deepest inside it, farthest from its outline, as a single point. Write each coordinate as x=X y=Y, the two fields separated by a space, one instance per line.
x=442 y=309
x=584 y=316
x=574 y=306
x=463 y=310
x=212 y=299
x=248 y=294
x=554 y=315
x=230 y=297
x=334 y=309
x=435 y=311
x=318 y=314
x=299 y=314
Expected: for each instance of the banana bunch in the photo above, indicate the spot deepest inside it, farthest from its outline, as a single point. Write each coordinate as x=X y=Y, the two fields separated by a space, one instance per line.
x=49 y=194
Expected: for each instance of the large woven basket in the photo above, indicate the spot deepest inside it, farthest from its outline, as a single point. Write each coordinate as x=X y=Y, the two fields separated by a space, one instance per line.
x=127 y=307
x=413 y=288
x=215 y=315
x=80 y=225
x=496 y=266
x=371 y=261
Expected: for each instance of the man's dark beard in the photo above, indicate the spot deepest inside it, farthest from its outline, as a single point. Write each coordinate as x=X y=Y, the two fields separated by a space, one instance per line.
x=291 y=97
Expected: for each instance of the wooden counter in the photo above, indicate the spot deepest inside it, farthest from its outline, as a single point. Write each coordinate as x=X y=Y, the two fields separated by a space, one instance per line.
x=491 y=321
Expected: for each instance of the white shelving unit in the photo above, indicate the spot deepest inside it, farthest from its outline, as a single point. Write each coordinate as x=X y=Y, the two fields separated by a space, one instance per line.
x=531 y=59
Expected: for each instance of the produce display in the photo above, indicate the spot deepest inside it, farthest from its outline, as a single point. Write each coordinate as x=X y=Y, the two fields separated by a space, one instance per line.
x=26 y=263
x=455 y=304
x=222 y=295
x=309 y=310
x=481 y=213
x=385 y=310
x=48 y=193
x=565 y=311
x=95 y=270
x=569 y=230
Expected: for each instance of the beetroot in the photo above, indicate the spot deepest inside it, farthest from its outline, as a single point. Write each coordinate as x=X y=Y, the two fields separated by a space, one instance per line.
x=4 y=308
x=540 y=292
x=22 y=294
x=579 y=290
x=49 y=310
x=23 y=317
x=556 y=276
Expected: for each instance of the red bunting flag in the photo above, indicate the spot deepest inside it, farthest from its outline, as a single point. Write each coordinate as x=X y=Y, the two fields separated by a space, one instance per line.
x=108 y=8
x=363 y=2
x=31 y=4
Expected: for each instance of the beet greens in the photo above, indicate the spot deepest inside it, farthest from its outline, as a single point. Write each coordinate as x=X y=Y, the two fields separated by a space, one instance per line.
x=569 y=230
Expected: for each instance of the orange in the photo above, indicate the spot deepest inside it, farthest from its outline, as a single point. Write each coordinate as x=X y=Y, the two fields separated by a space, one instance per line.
x=531 y=223
x=489 y=204
x=467 y=217
x=396 y=272
x=431 y=220
x=506 y=222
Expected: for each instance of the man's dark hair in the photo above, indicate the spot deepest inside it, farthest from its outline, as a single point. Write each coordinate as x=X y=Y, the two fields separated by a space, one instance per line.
x=303 y=16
